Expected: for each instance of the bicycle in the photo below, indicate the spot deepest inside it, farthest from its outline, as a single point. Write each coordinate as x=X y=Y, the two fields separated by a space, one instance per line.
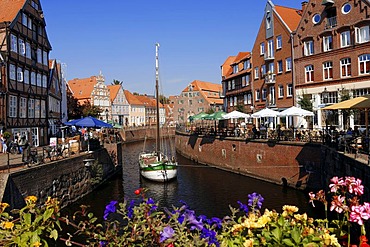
x=55 y=152
x=13 y=147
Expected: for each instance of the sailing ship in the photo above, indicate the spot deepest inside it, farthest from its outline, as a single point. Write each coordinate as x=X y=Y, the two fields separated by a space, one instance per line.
x=156 y=165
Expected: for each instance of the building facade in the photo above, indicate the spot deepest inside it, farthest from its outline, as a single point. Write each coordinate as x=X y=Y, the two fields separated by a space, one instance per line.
x=272 y=58
x=198 y=96
x=120 y=110
x=332 y=57
x=24 y=49
x=54 y=98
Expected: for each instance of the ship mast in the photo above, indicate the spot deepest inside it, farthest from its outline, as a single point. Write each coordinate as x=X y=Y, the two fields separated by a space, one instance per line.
x=157 y=98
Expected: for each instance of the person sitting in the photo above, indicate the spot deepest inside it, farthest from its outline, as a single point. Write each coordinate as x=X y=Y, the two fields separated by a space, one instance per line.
x=256 y=132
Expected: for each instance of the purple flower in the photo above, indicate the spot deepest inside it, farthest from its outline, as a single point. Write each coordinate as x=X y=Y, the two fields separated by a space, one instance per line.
x=243 y=207
x=166 y=233
x=210 y=235
x=190 y=217
x=110 y=208
x=103 y=243
x=217 y=221
x=255 y=200
x=130 y=209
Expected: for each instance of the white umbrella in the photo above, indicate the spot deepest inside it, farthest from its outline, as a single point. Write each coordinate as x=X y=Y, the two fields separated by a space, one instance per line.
x=235 y=115
x=267 y=112
x=295 y=111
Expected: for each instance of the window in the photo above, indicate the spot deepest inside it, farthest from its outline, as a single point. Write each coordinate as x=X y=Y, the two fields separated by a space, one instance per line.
x=271 y=68
x=247 y=64
x=12 y=74
x=256 y=72
x=249 y=100
x=345 y=39
x=279 y=42
x=39 y=55
x=26 y=76
x=316 y=18
x=280 y=66
x=268 y=20
x=262 y=48
x=37 y=108
x=19 y=74
x=281 y=91
x=23 y=107
x=245 y=99
x=24 y=19
x=231 y=101
x=272 y=96
x=235 y=69
x=229 y=85
x=31 y=108
x=345 y=67
x=308 y=48
x=270 y=48
x=258 y=95
x=22 y=47
x=33 y=78
x=288 y=64
x=12 y=106
x=247 y=80
x=264 y=94
x=13 y=43
x=290 y=90
x=44 y=83
x=233 y=84
x=263 y=70
x=38 y=79
x=346 y=8
x=364 y=64
x=327 y=42
x=45 y=58
x=328 y=70
x=309 y=73
x=28 y=50
x=362 y=34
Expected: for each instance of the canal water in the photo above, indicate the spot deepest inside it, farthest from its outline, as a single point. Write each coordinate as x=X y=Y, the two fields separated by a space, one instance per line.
x=208 y=191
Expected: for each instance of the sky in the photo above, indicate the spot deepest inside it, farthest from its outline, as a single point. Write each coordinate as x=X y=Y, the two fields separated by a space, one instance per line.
x=118 y=37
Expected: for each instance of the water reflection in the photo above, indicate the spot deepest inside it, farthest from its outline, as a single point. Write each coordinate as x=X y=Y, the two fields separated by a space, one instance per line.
x=207 y=190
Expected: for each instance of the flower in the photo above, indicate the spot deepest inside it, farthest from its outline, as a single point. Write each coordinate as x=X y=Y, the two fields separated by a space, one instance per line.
x=360 y=213
x=255 y=200
x=36 y=244
x=110 y=208
x=337 y=204
x=167 y=233
x=289 y=210
x=7 y=225
x=243 y=207
x=30 y=199
x=3 y=206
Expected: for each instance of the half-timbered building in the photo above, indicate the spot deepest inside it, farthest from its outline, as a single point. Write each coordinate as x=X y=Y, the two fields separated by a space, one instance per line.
x=24 y=49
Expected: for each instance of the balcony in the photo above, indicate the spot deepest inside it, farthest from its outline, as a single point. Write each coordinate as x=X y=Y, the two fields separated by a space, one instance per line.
x=270 y=79
x=269 y=56
x=331 y=22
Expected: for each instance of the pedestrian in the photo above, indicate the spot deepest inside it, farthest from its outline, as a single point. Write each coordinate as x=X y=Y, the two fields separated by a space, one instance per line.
x=26 y=149
x=3 y=144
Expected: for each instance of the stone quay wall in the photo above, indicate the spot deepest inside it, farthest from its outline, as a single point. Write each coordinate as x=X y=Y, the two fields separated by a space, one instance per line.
x=67 y=180
x=140 y=133
x=295 y=164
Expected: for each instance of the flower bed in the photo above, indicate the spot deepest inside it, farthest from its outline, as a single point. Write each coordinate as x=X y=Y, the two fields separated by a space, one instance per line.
x=140 y=223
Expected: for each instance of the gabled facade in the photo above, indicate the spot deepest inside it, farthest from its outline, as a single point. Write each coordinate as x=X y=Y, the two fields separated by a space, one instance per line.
x=54 y=98
x=272 y=58
x=24 y=50
x=120 y=108
x=94 y=91
x=332 y=55
x=137 y=110
x=236 y=82
x=198 y=96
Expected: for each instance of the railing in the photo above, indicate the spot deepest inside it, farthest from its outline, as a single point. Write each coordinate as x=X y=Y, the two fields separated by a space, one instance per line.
x=270 y=79
x=268 y=56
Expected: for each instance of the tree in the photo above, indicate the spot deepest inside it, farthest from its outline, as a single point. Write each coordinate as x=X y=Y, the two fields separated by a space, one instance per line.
x=91 y=110
x=239 y=108
x=163 y=99
x=305 y=102
x=74 y=110
x=116 y=82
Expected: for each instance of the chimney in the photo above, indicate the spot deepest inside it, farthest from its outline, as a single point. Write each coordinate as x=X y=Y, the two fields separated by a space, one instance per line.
x=304 y=5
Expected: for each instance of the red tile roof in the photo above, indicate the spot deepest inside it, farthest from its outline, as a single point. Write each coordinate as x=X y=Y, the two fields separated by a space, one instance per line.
x=132 y=100
x=243 y=55
x=113 y=91
x=290 y=16
x=9 y=9
x=210 y=91
x=82 y=88
x=226 y=66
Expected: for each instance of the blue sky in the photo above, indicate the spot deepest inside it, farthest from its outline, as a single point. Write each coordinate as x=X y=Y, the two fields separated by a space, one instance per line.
x=118 y=38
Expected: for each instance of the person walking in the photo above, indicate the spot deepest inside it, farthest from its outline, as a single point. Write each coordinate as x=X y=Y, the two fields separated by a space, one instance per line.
x=3 y=144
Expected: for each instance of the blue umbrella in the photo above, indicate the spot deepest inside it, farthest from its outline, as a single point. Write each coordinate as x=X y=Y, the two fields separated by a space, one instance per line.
x=89 y=122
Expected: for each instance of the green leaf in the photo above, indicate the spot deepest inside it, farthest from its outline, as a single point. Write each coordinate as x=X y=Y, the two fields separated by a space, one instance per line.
x=288 y=242
x=90 y=215
x=277 y=234
x=48 y=213
x=296 y=235
x=54 y=234
x=27 y=218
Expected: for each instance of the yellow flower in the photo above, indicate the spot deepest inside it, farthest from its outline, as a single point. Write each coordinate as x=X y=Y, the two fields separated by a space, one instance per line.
x=31 y=199
x=289 y=210
x=301 y=217
x=248 y=243
x=3 y=206
x=37 y=244
x=7 y=225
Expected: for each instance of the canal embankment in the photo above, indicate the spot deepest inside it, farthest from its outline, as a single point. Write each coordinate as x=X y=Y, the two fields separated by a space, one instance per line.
x=299 y=165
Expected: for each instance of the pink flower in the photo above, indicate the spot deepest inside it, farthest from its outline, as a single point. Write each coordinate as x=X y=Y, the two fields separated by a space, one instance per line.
x=312 y=198
x=360 y=213
x=354 y=186
x=336 y=184
x=337 y=204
